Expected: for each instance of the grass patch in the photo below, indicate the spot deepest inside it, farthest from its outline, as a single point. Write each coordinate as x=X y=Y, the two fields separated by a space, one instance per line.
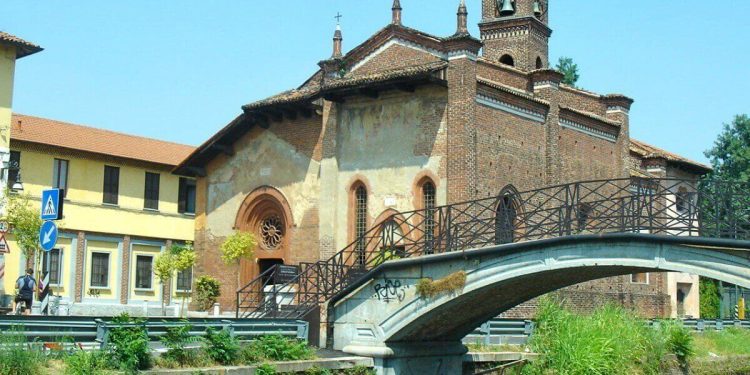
x=276 y=348
x=356 y=370
x=727 y=342
x=427 y=288
x=732 y=365
x=506 y=348
x=17 y=356
x=609 y=341
x=86 y=363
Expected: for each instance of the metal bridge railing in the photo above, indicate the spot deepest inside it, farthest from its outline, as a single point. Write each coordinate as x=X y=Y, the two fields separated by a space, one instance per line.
x=717 y=209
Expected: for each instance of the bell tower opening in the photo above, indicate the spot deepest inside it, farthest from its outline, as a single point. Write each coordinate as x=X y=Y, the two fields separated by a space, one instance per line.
x=518 y=28
x=507 y=60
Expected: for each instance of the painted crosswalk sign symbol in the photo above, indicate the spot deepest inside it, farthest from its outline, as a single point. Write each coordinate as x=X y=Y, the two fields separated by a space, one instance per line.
x=49 y=208
x=52 y=204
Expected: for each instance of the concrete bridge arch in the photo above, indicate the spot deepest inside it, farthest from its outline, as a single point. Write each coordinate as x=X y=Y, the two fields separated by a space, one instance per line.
x=383 y=317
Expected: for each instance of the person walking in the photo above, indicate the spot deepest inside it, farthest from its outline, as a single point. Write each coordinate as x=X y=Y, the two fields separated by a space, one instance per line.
x=25 y=286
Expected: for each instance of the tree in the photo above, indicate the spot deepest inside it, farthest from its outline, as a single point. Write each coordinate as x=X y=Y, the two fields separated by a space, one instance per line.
x=710 y=299
x=730 y=155
x=730 y=159
x=177 y=259
x=237 y=246
x=569 y=69
x=25 y=222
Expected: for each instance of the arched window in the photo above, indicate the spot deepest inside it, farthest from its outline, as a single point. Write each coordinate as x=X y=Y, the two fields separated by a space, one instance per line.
x=393 y=239
x=505 y=219
x=583 y=214
x=428 y=203
x=360 y=222
x=682 y=200
x=507 y=60
x=539 y=63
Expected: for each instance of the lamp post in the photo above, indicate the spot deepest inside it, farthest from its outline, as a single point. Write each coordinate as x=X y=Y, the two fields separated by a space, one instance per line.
x=18 y=184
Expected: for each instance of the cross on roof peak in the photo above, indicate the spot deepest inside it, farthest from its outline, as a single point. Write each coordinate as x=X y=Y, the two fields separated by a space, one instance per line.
x=338 y=17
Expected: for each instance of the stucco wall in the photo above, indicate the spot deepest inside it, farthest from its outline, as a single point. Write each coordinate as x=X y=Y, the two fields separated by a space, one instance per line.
x=262 y=159
x=7 y=70
x=388 y=144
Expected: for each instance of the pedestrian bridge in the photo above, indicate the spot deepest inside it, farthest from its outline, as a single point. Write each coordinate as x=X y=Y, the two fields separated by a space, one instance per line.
x=383 y=312
x=511 y=247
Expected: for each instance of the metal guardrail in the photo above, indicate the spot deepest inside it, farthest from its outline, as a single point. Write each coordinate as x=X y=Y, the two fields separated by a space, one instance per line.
x=501 y=331
x=518 y=332
x=712 y=324
x=92 y=330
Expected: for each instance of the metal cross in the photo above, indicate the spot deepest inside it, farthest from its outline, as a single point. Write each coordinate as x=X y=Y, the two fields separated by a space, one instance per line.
x=338 y=17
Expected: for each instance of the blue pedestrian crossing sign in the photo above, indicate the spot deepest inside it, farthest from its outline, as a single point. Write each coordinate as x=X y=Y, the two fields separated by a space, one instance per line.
x=48 y=235
x=52 y=204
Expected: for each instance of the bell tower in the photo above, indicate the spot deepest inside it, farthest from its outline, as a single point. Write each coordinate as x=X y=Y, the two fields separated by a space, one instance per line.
x=516 y=33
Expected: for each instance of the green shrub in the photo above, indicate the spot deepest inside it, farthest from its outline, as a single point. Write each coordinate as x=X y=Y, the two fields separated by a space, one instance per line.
x=221 y=347
x=276 y=348
x=82 y=362
x=315 y=370
x=17 y=356
x=359 y=370
x=128 y=344
x=237 y=246
x=207 y=290
x=265 y=369
x=710 y=298
x=176 y=340
x=679 y=340
x=610 y=341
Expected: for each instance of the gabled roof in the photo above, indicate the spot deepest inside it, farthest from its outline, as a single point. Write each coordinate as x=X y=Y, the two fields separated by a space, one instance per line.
x=647 y=151
x=23 y=48
x=302 y=99
x=327 y=83
x=98 y=141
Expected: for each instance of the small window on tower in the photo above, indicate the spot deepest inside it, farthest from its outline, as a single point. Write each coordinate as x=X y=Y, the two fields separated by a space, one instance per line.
x=539 y=63
x=507 y=60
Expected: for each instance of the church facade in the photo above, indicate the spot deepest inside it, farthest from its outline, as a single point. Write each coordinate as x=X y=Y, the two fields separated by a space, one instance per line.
x=407 y=120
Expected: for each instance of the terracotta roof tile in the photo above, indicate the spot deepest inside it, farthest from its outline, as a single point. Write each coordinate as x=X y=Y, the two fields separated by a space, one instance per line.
x=83 y=138
x=648 y=151
x=311 y=92
x=24 y=48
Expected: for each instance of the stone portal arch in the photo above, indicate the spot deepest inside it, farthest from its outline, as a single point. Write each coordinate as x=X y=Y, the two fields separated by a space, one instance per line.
x=267 y=215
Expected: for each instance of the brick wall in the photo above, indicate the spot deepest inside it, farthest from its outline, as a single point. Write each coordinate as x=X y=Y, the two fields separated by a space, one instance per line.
x=650 y=301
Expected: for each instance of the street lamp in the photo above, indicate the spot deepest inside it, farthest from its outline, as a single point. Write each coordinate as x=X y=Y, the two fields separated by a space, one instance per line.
x=18 y=184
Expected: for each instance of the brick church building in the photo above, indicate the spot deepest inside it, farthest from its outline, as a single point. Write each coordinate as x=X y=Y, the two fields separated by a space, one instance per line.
x=408 y=120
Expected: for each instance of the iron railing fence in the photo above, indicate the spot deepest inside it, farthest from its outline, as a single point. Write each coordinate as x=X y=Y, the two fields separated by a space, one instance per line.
x=717 y=209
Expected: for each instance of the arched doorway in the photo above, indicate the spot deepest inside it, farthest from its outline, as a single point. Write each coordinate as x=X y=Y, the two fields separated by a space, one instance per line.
x=266 y=214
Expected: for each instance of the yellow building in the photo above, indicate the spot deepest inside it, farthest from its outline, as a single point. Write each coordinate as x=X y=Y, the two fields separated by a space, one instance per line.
x=122 y=208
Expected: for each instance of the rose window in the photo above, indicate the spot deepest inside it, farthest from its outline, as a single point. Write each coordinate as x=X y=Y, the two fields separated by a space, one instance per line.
x=271 y=232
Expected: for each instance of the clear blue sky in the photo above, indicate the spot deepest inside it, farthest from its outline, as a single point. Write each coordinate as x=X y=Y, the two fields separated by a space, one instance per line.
x=180 y=70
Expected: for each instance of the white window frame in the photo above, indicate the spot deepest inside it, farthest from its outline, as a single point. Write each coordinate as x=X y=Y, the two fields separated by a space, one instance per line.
x=648 y=278
x=56 y=176
x=59 y=267
x=176 y=283
x=109 y=261
x=135 y=274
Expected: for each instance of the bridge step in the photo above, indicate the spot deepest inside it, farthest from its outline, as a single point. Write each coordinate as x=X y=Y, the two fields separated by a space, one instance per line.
x=355 y=274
